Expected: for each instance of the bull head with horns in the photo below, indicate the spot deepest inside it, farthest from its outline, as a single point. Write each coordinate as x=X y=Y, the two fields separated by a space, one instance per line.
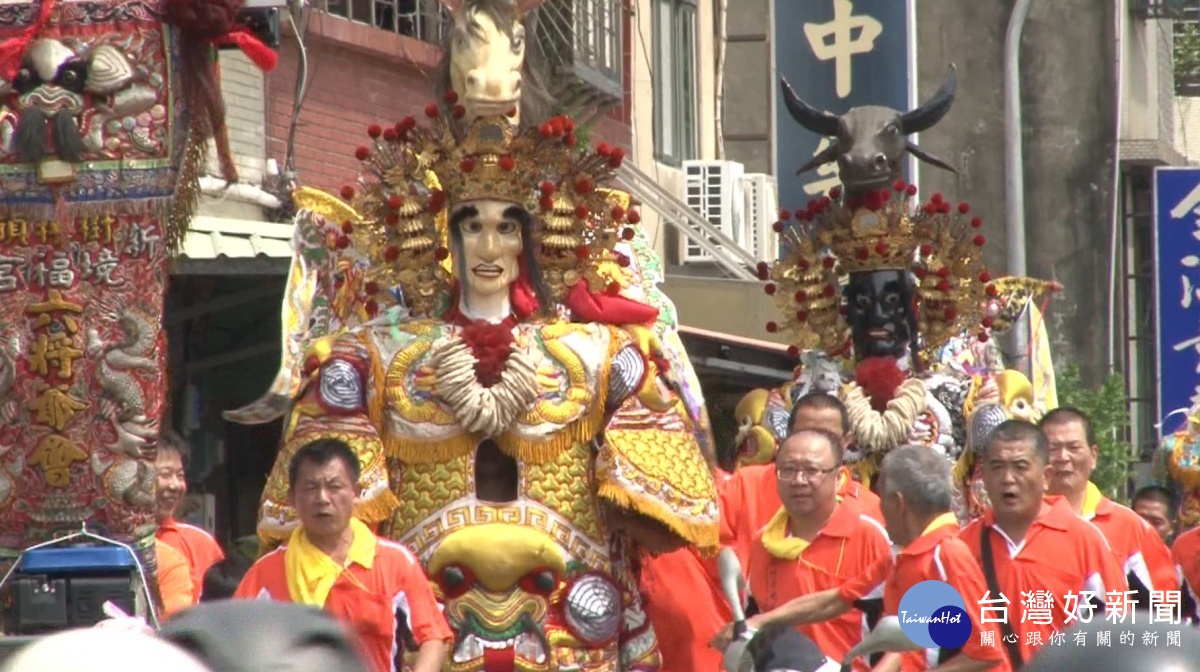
x=871 y=140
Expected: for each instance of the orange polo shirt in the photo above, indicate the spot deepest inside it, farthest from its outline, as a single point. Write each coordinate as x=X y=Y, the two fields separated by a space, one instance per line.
x=1141 y=552
x=372 y=600
x=750 y=497
x=1186 y=555
x=937 y=555
x=174 y=579
x=197 y=545
x=683 y=599
x=847 y=547
x=1062 y=553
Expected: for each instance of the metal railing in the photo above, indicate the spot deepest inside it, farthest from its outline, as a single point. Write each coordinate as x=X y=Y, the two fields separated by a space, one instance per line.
x=725 y=252
x=422 y=19
x=582 y=40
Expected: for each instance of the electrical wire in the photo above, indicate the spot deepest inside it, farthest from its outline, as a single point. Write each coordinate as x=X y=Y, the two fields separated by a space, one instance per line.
x=300 y=28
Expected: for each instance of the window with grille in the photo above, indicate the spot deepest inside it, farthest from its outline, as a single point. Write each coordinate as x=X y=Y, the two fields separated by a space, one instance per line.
x=422 y=19
x=1137 y=261
x=1186 y=48
x=674 y=77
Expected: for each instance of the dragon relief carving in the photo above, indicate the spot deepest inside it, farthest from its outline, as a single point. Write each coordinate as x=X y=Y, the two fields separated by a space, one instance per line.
x=124 y=473
x=12 y=463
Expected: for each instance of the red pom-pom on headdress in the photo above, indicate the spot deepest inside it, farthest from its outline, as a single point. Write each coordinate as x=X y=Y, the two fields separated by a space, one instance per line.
x=879 y=378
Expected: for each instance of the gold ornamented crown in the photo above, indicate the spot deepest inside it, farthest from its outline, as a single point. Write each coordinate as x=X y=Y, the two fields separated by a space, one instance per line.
x=413 y=171
x=936 y=242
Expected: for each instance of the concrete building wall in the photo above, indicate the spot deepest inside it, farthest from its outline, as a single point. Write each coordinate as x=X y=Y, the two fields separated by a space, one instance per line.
x=243 y=87
x=1069 y=96
x=748 y=86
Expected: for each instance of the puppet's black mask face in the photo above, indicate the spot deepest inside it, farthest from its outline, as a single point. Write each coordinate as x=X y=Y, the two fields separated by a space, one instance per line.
x=880 y=313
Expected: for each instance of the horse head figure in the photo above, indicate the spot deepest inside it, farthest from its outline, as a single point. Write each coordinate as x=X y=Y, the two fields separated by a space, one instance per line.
x=492 y=60
x=871 y=140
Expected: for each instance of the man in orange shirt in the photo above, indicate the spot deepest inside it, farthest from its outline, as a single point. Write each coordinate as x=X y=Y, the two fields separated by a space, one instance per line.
x=174 y=579
x=335 y=562
x=681 y=593
x=196 y=545
x=918 y=506
x=1186 y=555
x=1140 y=550
x=750 y=496
x=815 y=541
x=1045 y=566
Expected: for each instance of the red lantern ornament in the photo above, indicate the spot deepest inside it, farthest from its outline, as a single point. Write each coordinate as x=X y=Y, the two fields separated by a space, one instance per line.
x=546 y=203
x=441 y=254
x=835 y=193
x=943 y=285
x=634 y=216
x=976 y=222
x=936 y=198
x=623 y=261
x=451 y=97
x=467 y=165
x=801 y=315
x=546 y=130
x=979 y=240
x=764 y=271
x=436 y=200
x=432 y=111
x=343 y=242
x=507 y=163
x=880 y=248
x=983 y=337
x=390 y=134
x=395 y=201
x=793 y=351
x=347 y=193
x=374 y=131
x=801 y=296
x=459 y=111
x=618 y=213
x=992 y=291
x=769 y=289
x=391 y=253
x=777 y=227
x=772 y=327
x=614 y=289
x=926 y=250
x=582 y=212
x=548 y=188
x=984 y=276
x=963 y=208
x=406 y=124
x=584 y=186
x=628 y=233
x=943 y=272
x=603 y=149
x=987 y=323
x=911 y=190
x=347 y=228
x=828 y=262
x=362 y=153
x=784 y=215
x=899 y=186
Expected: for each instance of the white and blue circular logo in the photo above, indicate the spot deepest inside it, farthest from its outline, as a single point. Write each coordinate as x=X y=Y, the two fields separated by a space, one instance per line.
x=934 y=616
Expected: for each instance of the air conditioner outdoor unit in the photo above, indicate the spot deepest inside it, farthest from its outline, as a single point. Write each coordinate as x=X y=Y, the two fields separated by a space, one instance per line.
x=760 y=212
x=713 y=189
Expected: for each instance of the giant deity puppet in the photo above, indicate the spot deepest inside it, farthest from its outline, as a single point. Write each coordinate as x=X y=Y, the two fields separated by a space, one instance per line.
x=492 y=57
x=105 y=111
x=518 y=417
x=897 y=292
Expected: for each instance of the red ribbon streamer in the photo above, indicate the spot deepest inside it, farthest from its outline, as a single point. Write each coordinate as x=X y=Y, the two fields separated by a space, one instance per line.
x=12 y=51
x=260 y=54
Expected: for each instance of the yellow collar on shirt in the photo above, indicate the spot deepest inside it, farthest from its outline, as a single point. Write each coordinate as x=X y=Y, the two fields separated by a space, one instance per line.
x=1091 y=500
x=311 y=573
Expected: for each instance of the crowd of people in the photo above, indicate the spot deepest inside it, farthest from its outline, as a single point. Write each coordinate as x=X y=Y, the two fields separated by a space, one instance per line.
x=817 y=548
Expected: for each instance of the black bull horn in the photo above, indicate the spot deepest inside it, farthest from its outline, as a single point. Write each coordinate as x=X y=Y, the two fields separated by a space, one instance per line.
x=915 y=121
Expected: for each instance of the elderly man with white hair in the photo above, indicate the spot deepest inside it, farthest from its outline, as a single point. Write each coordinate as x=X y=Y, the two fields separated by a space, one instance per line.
x=102 y=650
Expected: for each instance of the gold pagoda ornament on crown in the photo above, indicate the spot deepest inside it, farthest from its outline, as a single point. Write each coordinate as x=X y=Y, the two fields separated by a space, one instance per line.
x=412 y=171
x=940 y=244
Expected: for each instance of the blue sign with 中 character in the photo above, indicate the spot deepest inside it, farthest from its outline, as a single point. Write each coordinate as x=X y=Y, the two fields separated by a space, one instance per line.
x=1177 y=286
x=836 y=54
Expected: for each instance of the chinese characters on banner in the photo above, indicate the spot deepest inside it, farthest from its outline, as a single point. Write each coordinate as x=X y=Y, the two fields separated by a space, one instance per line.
x=83 y=372
x=1119 y=608
x=1177 y=274
x=852 y=53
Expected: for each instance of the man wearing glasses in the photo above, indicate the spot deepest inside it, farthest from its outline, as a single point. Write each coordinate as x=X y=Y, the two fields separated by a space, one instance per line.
x=816 y=541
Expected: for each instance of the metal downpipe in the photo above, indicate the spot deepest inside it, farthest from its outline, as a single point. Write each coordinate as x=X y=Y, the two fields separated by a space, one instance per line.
x=1014 y=173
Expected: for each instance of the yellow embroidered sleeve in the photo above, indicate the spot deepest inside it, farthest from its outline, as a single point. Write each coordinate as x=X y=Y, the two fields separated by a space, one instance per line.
x=336 y=401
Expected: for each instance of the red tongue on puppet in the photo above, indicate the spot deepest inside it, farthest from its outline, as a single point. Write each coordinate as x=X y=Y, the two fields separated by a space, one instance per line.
x=500 y=660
